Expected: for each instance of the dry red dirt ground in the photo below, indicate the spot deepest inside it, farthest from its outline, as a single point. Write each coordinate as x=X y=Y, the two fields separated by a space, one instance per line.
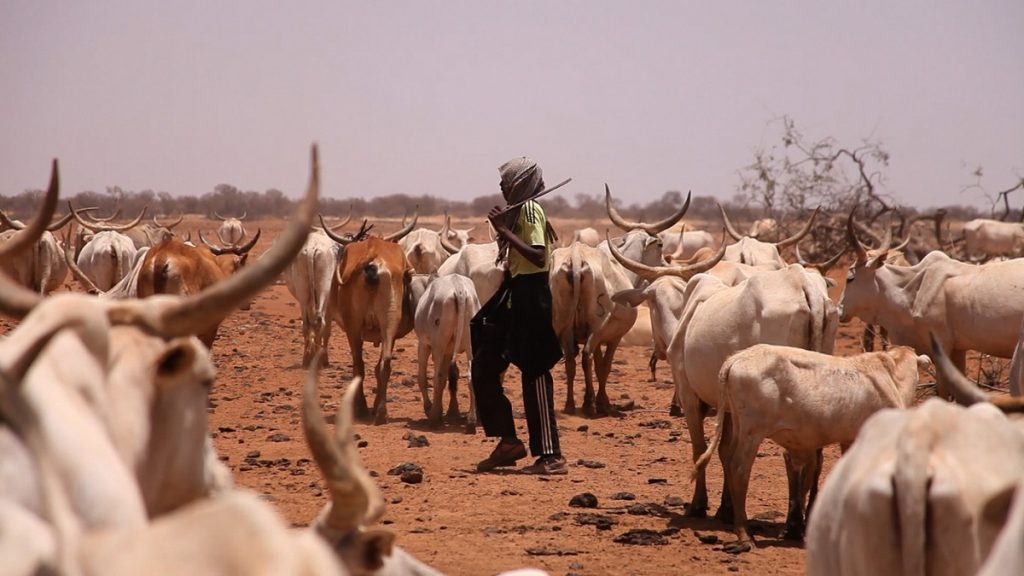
x=463 y=522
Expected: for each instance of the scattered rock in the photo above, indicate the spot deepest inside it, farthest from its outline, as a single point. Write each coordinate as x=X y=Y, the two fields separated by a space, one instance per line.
x=420 y=530
x=551 y=551
x=669 y=531
x=623 y=496
x=362 y=444
x=416 y=441
x=583 y=428
x=584 y=500
x=253 y=454
x=641 y=537
x=674 y=501
x=590 y=464
x=657 y=481
x=600 y=521
x=706 y=538
x=396 y=500
x=558 y=516
x=278 y=437
x=638 y=509
x=226 y=429
x=626 y=406
x=656 y=424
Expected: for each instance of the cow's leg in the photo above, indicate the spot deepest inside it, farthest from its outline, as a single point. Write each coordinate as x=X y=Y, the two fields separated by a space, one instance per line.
x=695 y=410
x=307 y=347
x=453 y=414
x=739 y=481
x=867 y=338
x=588 y=384
x=804 y=464
x=652 y=364
x=676 y=408
x=726 y=448
x=323 y=340
x=604 y=369
x=569 y=350
x=440 y=375
x=383 y=373
x=355 y=344
x=422 y=356
x=815 y=478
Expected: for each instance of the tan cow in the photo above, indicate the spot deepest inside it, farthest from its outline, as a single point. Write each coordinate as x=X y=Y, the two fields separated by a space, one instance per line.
x=41 y=269
x=926 y=491
x=803 y=401
x=374 y=304
x=231 y=232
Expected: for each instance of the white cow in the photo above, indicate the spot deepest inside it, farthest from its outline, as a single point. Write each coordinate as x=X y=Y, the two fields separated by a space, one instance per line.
x=454 y=236
x=763 y=228
x=425 y=250
x=785 y=307
x=588 y=236
x=107 y=258
x=309 y=278
x=41 y=269
x=231 y=231
x=442 y=328
x=477 y=262
x=985 y=238
x=754 y=252
x=803 y=401
x=684 y=245
x=641 y=242
x=968 y=307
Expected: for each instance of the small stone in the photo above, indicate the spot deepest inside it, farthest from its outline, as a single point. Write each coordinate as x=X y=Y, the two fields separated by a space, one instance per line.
x=623 y=496
x=396 y=500
x=674 y=501
x=418 y=441
x=584 y=500
x=590 y=464
x=583 y=428
x=641 y=537
x=253 y=454
x=706 y=538
x=638 y=509
x=278 y=437
x=657 y=481
x=362 y=444
x=600 y=521
x=412 y=476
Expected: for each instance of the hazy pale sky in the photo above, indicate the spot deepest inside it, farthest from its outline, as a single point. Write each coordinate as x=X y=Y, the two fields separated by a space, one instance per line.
x=429 y=97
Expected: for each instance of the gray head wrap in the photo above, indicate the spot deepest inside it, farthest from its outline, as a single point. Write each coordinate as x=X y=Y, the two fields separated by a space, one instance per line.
x=521 y=179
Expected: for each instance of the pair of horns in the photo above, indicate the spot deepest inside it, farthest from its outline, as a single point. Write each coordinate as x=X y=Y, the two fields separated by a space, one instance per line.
x=230 y=249
x=103 y=226
x=654 y=228
x=364 y=229
x=781 y=244
x=687 y=270
x=242 y=217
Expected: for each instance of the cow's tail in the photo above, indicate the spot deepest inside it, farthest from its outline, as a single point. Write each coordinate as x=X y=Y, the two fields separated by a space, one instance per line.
x=576 y=270
x=461 y=321
x=816 y=327
x=911 y=481
x=316 y=296
x=720 y=423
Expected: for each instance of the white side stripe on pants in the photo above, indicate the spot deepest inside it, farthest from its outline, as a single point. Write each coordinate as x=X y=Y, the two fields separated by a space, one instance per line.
x=540 y=386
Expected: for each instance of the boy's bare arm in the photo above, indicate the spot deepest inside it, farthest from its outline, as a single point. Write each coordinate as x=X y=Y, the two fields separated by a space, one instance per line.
x=533 y=254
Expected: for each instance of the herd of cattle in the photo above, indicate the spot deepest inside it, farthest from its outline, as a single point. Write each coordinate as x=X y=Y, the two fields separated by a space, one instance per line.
x=106 y=464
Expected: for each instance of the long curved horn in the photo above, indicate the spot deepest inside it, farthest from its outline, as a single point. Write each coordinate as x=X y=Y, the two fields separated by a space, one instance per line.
x=653 y=228
x=236 y=250
x=65 y=219
x=963 y=390
x=443 y=237
x=6 y=221
x=16 y=300
x=218 y=216
x=728 y=225
x=355 y=499
x=650 y=273
x=852 y=240
x=334 y=236
x=106 y=227
x=244 y=214
x=343 y=222
x=395 y=237
x=171 y=225
x=110 y=218
x=823 y=267
x=69 y=259
x=177 y=316
x=800 y=233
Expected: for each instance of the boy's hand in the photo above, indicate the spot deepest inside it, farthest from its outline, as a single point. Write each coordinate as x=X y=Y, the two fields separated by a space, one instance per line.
x=495 y=216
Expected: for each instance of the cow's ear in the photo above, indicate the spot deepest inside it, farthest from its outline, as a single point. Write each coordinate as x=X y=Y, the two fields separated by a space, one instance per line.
x=373 y=547
x=179 y=355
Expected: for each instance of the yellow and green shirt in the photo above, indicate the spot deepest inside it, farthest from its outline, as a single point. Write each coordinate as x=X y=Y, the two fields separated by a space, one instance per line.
x=532 y=227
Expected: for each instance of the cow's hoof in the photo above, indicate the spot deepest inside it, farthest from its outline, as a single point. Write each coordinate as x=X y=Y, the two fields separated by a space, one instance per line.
x=738 y=547
x=380 y=417
x=692 y=511
x=675 y=410
x=361 y=411
x=589 y=411
x=471 y=428
x=454 y=417
x=569 y=409
x=435 y=423
x=793 y=532
x=724 y=514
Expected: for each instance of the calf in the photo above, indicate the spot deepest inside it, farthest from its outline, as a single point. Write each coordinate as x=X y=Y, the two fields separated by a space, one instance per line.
x=802 y=400
x=442 y=327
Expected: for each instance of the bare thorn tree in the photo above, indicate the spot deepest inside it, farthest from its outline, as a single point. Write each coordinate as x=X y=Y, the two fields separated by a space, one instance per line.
x=1003 y=196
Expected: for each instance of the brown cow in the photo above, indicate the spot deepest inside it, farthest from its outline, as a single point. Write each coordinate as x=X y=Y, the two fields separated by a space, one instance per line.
x=374 y=303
